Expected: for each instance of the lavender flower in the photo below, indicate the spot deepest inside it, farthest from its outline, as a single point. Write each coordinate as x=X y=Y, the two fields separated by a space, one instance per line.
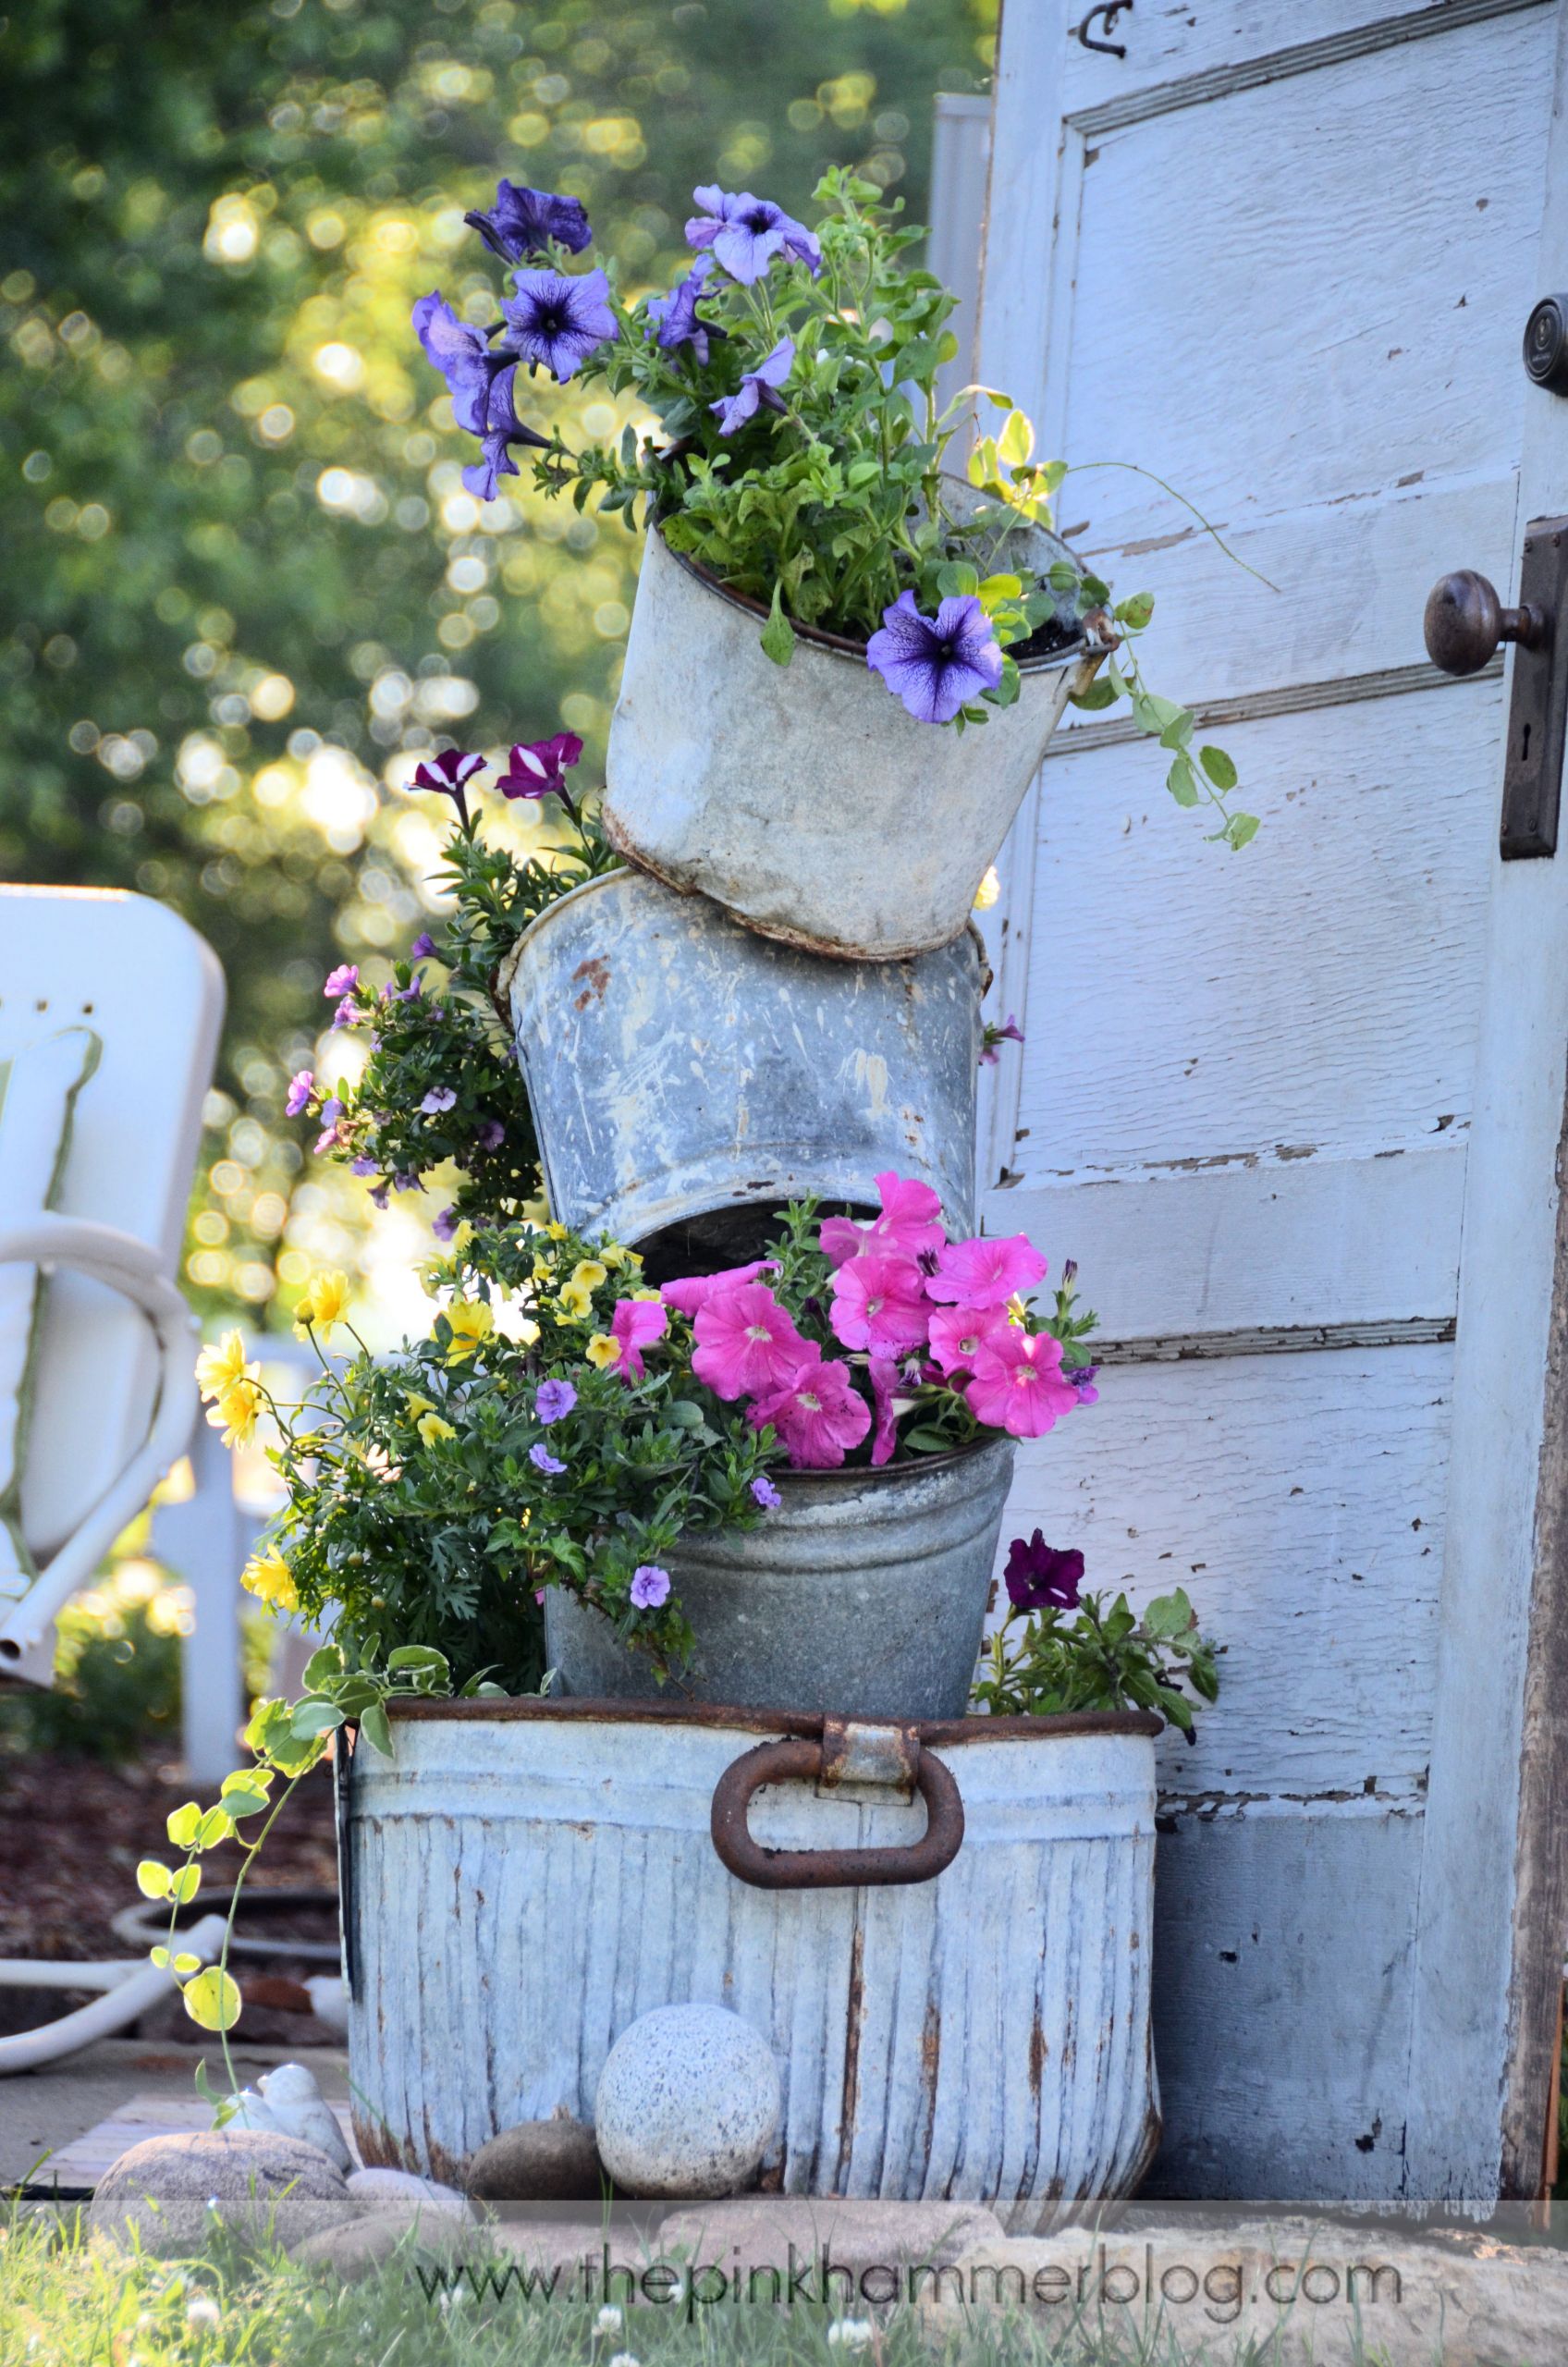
x=935 y=665
x=340 y=981
x=463 y=356
x=559 y=322
x=553 y=1400
x=540 y=767
x=675 y=316
x=447 y=775
x=302 y=1085
x=501 y=430
x=650 y=1586
x=746 y=232
x=757 y=386
x=363 y=1166
x=347 y=1012
x=439 y=1098
x=444 y=1224
x=526 y=222
x=411 y=993
x=767 y=1494
x=330 y=1114
x=422 y=948
x=491 y=1135
x=403 y=1181
x=543 y=1460
x=1039 y=1578
x=1011 y=1034
x=1083 y=1380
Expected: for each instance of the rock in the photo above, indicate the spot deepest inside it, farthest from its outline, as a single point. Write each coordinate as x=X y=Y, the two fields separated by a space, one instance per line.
x=257 y=2179
x=395 y=2190
x=538 y=2161
x=356 y=2247
x=688 y=2102
x=762 y=2231
x=298 y=2108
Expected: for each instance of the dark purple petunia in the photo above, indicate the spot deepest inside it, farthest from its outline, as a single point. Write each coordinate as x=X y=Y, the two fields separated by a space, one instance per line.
x=936 y=665
x=526 y=221
x=676 y=315
x=540 y=767
x=447 y=774
x=557 y=322
x=756 y=387
x=746 y=232
x=502 y=429
x=1040 y=1578
x=422 y=947
x=1083 y=1379
x=1011 y=1034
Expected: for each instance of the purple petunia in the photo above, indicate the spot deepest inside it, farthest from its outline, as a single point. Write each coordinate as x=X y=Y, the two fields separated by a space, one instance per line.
x=764 y=1494
x=756 y=387
x=411 y=993
x=557 y=322
x=302 y=1085
x=675 y=318
x=936 y=664
x=650 y=1586
x=331 y=1113
x=462 y=355
x=540 y=767
x=1039 y=1578
x=543 y=1460
x=501 y=430
x=439 y=1098
x=347 y=1012
x=1011 y=1034
x=447 y=775
x=553 y=1400
x=363 y=1166
x=527 y=221
x=341 y=981
x=444 y=1224
x=1083 y=1379
x=422 y=947
x=746 y=232
x=491 y=1135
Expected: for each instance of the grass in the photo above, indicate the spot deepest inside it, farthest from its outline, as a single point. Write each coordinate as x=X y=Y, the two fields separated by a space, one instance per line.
x=68 y=2303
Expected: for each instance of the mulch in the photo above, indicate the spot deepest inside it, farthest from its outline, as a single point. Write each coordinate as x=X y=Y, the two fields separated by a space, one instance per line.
x=71 y=1833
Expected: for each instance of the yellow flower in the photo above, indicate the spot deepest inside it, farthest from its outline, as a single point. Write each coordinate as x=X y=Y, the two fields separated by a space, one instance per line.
x=619 y=1259
x=268 y=1575
x=461 y=1238
x=543 y=1271
x=556 y=1232
x=587 y=1274
x=990 y=887
x=603 y=1350
x=238 y=1411
x=645 y=1295
x=575 y=1303
x=418 y=1404
x=471 y=1321
x=217 y=1369
x=430 y=1428
x=322 y=1301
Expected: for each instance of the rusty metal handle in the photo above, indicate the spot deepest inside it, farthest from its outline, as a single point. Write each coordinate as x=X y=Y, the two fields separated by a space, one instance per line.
x=799 y=1759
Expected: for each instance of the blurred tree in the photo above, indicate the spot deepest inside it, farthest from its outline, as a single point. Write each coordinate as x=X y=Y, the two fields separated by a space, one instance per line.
x=243 y=583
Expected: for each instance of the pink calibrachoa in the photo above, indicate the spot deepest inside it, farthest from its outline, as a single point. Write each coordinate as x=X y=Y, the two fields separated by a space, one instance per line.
x=637 y=1323
x=957 y=1332
x=695 y=1290
x=880 y=1304
x=909 y=1223
x=985 y=1273
x=1018 y=1386
x=884 y=1376
x=819 y=1414
x=746 y=1342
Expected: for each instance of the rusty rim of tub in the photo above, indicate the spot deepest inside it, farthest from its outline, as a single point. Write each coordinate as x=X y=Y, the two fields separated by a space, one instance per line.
x=937 y=1733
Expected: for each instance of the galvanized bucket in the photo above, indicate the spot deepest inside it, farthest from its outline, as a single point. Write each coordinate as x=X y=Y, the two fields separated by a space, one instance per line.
x=689 y=1078
x=865 y=1595
x=806 y=800
x=957 y=1994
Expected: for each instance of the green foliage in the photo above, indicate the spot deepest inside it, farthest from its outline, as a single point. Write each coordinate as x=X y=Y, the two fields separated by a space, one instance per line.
x=1046 y=1661
x=116 y=1674
x=242 y=579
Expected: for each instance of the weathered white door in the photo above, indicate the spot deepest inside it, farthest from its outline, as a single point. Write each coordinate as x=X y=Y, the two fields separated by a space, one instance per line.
x=1296 y=1111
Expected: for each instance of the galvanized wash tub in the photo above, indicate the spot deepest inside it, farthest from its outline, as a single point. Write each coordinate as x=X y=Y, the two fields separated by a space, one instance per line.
x=688 y=1078
x=526 y=1877
x=865 y=1594
x=806 y=800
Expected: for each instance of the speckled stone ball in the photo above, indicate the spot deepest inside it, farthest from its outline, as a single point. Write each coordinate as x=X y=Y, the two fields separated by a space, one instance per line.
x=688 y=2102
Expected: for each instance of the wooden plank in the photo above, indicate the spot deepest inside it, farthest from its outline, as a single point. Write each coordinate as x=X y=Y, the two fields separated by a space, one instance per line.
x=1263 y=1245
x=1299 y=1499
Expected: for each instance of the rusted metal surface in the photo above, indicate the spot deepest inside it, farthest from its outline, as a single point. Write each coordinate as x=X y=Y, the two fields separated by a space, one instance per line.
x=811 y=1609
x=806 y=800
x=859 y=1761
x=530 y=1877
x=682 y=1069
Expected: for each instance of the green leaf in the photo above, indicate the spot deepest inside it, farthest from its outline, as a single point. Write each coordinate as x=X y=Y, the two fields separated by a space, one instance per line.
x=1100 y=693
x=161 y=1957
x=313 y=1717
x=238 y=1803
x=778 y=633
x=1136 y=613
x=376 y=1728
x=216 y=1826
x=185 y=1963
x=181 y=1824
x=1183 y=783
x=212 y=1999
x=418 y=1656
x=1218 y=768
x=1017 y=438
x=152 y=1880
x=958 y=579
x=1240 y=830
x=184 y=1885
x=321 y=1669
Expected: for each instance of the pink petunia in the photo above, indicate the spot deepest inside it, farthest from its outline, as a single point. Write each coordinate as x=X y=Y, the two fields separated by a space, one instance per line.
x=879 y=1305
x=637 y=1323
x=909 y=1224
x=986 y=1273
x=959 y=1332
x=884 y=1388
x=695 y=1291
x=1019 y=1385
x=746 y=1343
x=817 y=1414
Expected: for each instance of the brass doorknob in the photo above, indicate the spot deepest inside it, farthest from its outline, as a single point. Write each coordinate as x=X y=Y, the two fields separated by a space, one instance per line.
x=1465 y=621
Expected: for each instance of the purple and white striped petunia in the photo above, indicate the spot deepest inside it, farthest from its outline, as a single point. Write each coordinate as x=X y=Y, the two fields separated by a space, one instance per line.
x=448 y=774
x=746 y=232
x=528 y=221
x=558 y=321
x=539 y=767
x=756 y=387
x=936 y=665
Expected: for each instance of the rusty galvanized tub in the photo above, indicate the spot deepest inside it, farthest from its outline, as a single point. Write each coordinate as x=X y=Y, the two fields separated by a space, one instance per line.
x=806 y=800
x=956 y=1988
x=865 y=1593
x=688 y=1078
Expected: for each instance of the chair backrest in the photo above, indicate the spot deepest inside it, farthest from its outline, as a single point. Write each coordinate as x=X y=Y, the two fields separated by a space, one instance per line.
x=152 y=992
